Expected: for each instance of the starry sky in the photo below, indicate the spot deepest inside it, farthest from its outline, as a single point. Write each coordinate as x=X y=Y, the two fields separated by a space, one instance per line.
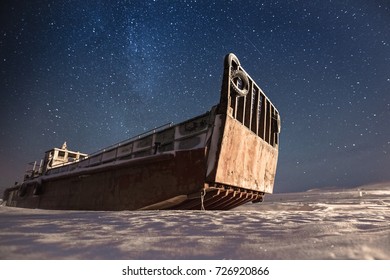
x=93 y=73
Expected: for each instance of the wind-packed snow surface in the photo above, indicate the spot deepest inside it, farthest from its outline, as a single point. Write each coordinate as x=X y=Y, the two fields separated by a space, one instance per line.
x=318 y=224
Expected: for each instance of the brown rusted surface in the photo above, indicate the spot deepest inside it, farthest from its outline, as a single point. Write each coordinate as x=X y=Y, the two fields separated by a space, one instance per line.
x=128 y=186
x=245 y=159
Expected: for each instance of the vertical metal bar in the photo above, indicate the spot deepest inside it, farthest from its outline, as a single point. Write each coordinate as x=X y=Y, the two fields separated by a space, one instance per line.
x=34 y=167
x=255 y=109
x=262 y=117
x=153 y=144
x=233 y=101
x=277 y=128
x=272 y=140
x=268 y=123
x=248 y=106
x=40 y=166
x=240 y=109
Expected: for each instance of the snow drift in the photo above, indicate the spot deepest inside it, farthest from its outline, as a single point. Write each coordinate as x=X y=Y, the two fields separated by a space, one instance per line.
x=318 y=224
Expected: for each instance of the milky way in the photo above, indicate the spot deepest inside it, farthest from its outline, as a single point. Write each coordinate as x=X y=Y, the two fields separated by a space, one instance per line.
x=93 y=73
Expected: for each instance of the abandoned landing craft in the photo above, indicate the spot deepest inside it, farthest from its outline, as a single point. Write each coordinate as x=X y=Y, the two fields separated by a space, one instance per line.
x=215 y=161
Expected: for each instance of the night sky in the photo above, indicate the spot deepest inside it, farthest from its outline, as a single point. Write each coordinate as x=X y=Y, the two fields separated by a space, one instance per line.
x=93 y=73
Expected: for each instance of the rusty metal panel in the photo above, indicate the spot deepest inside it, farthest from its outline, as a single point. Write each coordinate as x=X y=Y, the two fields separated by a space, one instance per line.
x=125 y=149
x=245 y=160
x=131 y=185
x=109 y=155
x=95 y=159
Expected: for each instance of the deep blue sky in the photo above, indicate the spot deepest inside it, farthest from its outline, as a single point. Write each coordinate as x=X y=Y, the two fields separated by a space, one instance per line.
x=93 y=73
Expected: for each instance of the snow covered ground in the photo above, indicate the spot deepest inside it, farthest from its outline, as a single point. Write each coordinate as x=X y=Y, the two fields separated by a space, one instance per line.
x=318 y=224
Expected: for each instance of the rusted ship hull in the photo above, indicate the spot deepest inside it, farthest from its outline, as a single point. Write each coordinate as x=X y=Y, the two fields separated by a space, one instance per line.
x=216 y=161
x=131 y=184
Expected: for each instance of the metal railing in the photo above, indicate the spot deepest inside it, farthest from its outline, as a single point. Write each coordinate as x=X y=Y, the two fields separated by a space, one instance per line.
x=127 y=141
x=249 y=105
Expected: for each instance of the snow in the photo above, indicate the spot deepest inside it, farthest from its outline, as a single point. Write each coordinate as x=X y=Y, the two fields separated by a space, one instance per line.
x=318 y=224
